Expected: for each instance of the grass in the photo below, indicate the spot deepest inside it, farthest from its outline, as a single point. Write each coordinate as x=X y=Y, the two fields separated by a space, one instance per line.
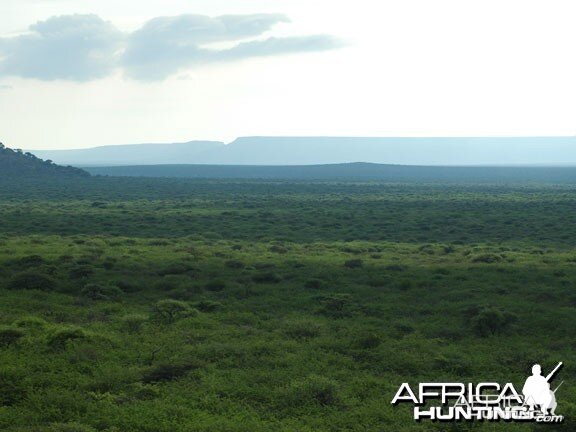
x=179 y=305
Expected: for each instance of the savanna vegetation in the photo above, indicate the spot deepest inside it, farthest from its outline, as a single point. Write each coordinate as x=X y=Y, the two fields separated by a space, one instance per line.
x=160 y=305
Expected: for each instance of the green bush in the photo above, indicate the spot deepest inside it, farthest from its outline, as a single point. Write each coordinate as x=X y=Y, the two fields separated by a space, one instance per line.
x=133 y=323
x=101 y=292
x=169 y=311
x=313 y=390
x=302 y=329
x=166 y=372
x=208 y=306
x=59 y=337
x=216 y=285
x=336 y=305
x=32 y=280
x=490 y=321
x=353 y=263
x=10 y=336
x=268 y=277
x=32 y=322
x=314 y=283
x=12 y=389
x=70 y=427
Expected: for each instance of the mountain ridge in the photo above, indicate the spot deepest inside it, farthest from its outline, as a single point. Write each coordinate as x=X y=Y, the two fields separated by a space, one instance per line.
x=263 y=150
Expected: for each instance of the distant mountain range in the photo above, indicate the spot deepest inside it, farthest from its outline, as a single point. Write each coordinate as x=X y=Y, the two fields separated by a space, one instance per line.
x=325 y=150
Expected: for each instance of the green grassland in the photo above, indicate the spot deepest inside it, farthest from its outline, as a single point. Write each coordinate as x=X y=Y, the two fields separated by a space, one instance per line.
x=166 y=305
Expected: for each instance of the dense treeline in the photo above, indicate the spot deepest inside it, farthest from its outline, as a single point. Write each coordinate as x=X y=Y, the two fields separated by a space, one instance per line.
x=16 y=163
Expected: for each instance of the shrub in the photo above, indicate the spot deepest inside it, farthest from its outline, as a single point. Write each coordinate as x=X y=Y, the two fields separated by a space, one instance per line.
x=267 y=277
x=70 y=427
x=81 y=272
x=166 y=372
x=314 y=284
x=486 y=258
x=31 y=322
x=336 y=305
x=169 y=311
x=490 y=321
x=353 y=263
x=235 y=264
x=12 y=389
x=10 y=336
x=60 y=337
x=101 y=292
x=314 y=390
x=302 y=329
x=216 y=285
x=133 y=323
x=175 y=269
x=128 y=286
x=32 y=280
x=208 y=306
x=31 y=261
x=368 y=341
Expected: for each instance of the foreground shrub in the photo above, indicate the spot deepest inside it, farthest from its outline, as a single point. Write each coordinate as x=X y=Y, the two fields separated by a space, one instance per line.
x=314 y=283
x=32 y=322
x=302 y=329
x=267 y=277
x=336 y=305
x=489 y=321
x=208 y=306
x=70 y=427
x=313 y=390
x=353 y=263
x=12 y=389
x=133 y=323
x=101 y=292
x=216 y=285
x=60 y=337
x=166 y=372
x=10 y=336
x=32 y=280
x=169 y=311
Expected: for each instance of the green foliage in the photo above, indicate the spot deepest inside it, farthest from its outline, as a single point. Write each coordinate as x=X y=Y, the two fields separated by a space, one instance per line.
x=17 y=164
x=133 y=323
x=289 y=338
x=101 y=292
x=166 y=372
x=488 y=321
x=32 y=280
x=60 y=336
x=169 y=311
x=10 y=336
x=313 y=390
x=353 y=263
x=12 y=387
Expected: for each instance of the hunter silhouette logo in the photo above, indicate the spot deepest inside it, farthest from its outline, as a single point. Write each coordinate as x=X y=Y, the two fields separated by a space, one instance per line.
x=537 y=393
x=487 y=401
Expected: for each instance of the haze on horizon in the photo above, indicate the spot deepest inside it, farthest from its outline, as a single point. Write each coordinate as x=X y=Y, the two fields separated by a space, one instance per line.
x=80 y=74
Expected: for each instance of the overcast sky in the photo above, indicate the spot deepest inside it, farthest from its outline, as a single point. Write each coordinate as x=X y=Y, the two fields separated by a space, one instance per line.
x=82 y=73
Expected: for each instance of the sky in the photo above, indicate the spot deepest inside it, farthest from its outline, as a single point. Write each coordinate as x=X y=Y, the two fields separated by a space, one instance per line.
x=84 y=73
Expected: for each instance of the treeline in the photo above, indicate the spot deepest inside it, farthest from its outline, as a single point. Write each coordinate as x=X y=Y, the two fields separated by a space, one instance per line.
x=17 y=163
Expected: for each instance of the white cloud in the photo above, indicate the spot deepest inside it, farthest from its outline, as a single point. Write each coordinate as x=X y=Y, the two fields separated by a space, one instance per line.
x=85 y=47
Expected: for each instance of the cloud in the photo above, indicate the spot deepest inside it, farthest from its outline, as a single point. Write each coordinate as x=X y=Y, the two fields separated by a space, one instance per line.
x=71 y=47
x=85 y=47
